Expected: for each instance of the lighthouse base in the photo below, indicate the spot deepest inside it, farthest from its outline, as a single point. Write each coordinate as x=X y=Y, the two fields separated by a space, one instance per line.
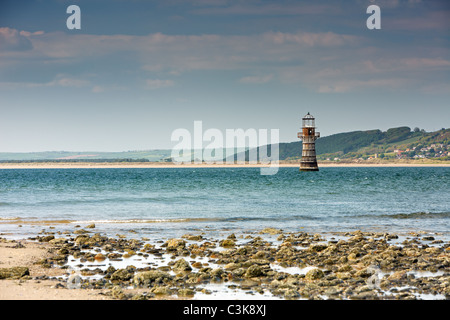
x=309 y=166
x=309 y=169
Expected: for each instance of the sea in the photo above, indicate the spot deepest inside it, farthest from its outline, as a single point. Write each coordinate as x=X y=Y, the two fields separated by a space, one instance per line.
x=162 y=203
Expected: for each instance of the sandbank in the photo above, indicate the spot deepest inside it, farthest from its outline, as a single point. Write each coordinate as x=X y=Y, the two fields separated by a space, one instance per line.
x=95 y=165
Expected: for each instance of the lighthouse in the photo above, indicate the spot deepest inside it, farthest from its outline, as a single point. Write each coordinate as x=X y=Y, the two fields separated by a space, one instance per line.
x=308 y=135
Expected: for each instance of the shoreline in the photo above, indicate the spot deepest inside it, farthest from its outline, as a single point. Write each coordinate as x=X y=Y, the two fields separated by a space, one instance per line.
x=265 y=264
x=154 y=165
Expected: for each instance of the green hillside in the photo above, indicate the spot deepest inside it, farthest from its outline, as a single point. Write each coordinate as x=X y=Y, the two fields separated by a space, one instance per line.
x=401 y=142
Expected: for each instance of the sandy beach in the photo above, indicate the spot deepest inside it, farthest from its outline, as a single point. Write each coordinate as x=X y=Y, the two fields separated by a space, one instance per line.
x=38 y=284
x=269 y=264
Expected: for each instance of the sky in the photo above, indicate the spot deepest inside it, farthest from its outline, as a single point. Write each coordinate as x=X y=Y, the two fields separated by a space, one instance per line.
x=138 y=70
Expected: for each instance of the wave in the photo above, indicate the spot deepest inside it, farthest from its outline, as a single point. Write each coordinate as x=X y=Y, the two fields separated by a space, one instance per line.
x=33 y=221
x=236 y=219
x=138 y=221
x=412 y=215
x=239 y=219
x=110 y=201
x=419 y=215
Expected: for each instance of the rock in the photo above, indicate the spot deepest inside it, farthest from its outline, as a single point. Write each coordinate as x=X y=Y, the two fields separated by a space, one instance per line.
x=232 y=266
x=314 y=274
x=122 y=275
x=345 y=268
x=343 y=275
x=261 y=255
x=390 y=236
x=433 y=250
x=81 y=240
x=46 y=239
x=217 y=273
x=364 y=273
x=99 y=257
x=270 y=231
x=192 y=237
x=174 y=244
x=160 y=290
x=181 y=265
x=58 y=241
x=91 y=226
x=139 y=297
x=197 y=265
x=81 y=231
x=114 y=256
x=186 y=292
x=227 y=243
x=14 y=272
x=317 y=247
x=333 y=291
x=366 y=295
x=254 y=271
x=352 y=256
x=291 y=294
x=117 y=293
x=147 y=277
x=260 y=262
x=398 y=275
x=317 y=237
x=129 y=254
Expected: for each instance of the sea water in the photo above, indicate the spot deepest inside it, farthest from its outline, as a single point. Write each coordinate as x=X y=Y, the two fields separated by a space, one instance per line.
x=161 y=203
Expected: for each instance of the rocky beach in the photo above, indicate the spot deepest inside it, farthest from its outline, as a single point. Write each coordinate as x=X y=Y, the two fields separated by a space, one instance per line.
x=265 y=264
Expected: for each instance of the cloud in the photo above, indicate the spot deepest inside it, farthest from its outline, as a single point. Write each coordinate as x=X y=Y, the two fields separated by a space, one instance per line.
x=158 y=84
x=13 y=40
x=433 y=20
x=267 y=9
x=310 y=39
x=323 y=62
x=64 y=81
x=59 y=81
x=98 y=89
x=256 y=79
x=436 y=88
x=346 y=86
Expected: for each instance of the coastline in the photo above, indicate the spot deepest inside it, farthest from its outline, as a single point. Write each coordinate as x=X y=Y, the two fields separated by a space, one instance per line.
x=268 y=264
x=154 y=165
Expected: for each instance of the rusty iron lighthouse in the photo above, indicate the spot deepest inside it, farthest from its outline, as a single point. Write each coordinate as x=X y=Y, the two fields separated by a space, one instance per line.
x=308 y=135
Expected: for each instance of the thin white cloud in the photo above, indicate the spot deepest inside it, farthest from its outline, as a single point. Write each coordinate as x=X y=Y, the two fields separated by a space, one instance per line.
x=59 y=81
x=345 y=86
x=268 y=9
x=158 y=83
x=311 y=39
x=256 y=79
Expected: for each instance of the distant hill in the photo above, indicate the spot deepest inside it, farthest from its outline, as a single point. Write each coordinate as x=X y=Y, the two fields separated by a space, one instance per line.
x=64 y=156
x=356 y=144
x=401 y=142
